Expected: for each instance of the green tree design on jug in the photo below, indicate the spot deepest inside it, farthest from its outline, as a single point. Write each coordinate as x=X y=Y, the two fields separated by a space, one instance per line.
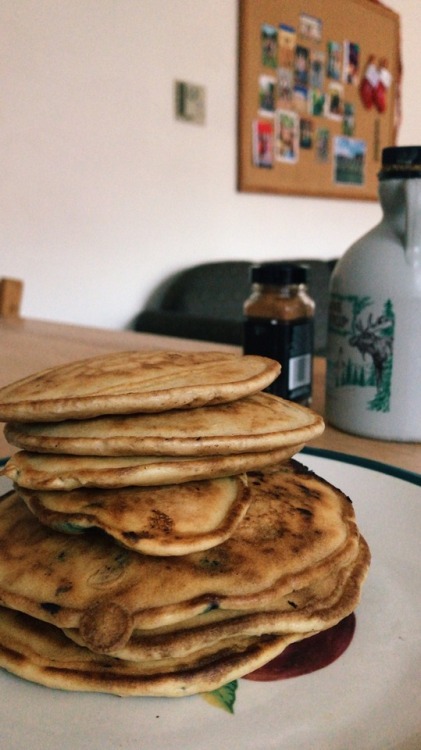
x=369 y=358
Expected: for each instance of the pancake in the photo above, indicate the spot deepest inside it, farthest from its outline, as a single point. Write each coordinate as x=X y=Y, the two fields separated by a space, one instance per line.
x=41 y=653
x=49 y=471
x=260 y=422
x=318 y=606
x=297 y=528
x=128 y=382
x=163 y=520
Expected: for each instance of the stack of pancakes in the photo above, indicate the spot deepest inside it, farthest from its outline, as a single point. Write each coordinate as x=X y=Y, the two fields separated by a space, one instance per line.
x=160 y=539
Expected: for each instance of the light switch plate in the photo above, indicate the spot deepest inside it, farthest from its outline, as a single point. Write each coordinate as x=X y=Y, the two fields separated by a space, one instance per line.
x=190 y=102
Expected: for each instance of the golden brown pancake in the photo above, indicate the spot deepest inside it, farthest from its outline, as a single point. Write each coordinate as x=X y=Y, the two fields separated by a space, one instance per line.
x=41 y=653
x=128 y=382
x=163 y=520
x=315 y=607
x=50 y=471
x=260 y=422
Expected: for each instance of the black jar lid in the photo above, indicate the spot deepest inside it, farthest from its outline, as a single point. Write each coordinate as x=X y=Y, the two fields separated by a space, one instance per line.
x=279 y=273
x=400 y=162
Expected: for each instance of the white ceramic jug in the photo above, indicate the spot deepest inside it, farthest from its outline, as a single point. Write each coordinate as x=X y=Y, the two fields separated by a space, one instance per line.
x=374 y=340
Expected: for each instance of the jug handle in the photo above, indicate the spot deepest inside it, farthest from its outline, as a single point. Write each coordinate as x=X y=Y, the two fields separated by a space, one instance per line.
x=413 y=222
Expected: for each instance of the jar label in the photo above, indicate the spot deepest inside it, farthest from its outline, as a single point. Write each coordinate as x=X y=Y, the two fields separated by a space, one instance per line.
x=291 y=344
x=360 y=350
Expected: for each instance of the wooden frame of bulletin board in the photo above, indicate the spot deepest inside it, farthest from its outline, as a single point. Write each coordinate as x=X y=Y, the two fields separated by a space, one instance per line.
x=319 y=89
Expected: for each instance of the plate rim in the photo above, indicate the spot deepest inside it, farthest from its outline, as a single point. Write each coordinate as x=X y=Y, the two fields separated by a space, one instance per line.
x=365 y=463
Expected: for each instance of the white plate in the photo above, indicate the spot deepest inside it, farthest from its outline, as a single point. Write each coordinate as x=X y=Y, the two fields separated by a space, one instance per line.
x=370 y=698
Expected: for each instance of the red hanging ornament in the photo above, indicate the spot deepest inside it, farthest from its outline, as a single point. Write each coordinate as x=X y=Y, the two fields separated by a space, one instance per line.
x=384 y=83
x=369 y=82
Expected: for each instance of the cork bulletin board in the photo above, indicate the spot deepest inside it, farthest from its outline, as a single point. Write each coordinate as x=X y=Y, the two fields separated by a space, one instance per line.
x=318 y=95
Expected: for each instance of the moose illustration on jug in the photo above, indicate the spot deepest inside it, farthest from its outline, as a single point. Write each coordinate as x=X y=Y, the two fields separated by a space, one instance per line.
x=363 y=356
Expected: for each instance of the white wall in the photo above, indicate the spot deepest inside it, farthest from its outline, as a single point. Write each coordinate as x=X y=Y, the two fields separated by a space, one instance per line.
x=103 y=192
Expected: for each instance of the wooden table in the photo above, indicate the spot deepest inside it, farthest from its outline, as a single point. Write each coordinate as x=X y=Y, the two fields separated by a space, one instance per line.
x=30 y=345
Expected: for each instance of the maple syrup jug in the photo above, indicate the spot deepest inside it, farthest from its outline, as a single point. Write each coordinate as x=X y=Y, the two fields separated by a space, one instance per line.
x=374 y=339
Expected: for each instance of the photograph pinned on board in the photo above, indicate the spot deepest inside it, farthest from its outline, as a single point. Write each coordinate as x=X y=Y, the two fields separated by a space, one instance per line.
x=269 y=45
x=348 y=122
x=334 y=109
x=349 y=160
x=300 y=99
x=322 y=145
x=285 y=87
x=310 y=27
x=286 y=136
x=317 y=69
x=287 y=37
x=306 y=133
x=263 y=143
x=301 y=65
x=267 y=91
x=316 y=102
x=351 y=64
x=334 y=61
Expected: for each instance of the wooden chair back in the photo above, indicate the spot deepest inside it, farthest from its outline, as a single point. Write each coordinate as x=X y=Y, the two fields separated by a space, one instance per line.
x=11 y=292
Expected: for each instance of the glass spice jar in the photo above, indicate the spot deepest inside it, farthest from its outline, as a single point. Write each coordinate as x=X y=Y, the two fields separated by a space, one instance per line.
x=278 y=323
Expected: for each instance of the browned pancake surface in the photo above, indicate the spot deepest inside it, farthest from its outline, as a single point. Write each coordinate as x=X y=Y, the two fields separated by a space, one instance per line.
x=127 y=382
x=296 y=527
x=40 y=652
x=157 y=520
x=50 y=471
x=260 y=422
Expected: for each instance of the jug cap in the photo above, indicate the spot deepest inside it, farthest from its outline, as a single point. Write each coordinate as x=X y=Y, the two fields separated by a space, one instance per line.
x=400 y=162
x=279 y=273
